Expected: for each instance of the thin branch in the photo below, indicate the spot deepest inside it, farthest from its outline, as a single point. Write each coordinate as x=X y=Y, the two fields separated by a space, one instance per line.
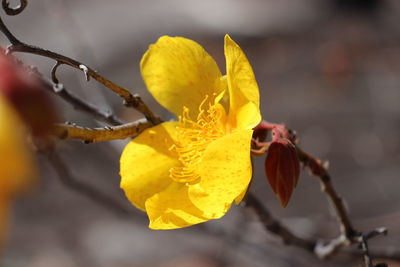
x=91 y=135
x=363 y=240
x=130 y=100
x=317 y=169
x=348 y=234
x=365 y=250
x=68 y=180
x=78 y=103
x=7 y=33
x=274 y=226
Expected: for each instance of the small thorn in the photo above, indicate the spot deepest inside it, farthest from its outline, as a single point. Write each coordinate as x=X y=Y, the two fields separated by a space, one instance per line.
x=85 y=71
x=58 y=88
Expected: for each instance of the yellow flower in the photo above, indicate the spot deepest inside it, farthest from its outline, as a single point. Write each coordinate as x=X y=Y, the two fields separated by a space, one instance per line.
x=191 y=171
x=16 y=166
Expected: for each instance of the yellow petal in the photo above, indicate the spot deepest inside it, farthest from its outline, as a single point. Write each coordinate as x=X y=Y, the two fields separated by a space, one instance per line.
x=17 y=168
x=179 y=72
x=4 y=210
x=172 y=208
x=225 y=174
x=145 y=163
x=244 y=112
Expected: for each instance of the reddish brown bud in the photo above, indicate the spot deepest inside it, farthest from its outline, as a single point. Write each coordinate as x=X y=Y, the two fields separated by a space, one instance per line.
x=27 y=95
x=282 y=167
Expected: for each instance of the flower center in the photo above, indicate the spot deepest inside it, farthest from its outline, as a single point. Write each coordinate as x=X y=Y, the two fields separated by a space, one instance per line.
x=193 y=138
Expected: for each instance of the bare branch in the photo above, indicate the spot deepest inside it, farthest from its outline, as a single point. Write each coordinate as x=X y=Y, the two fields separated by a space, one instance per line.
x=130 y=100
x=91 y=135
x=316 y=168
x=318 y=248
x=364 y=248
x=7 y=33
x=78 y=103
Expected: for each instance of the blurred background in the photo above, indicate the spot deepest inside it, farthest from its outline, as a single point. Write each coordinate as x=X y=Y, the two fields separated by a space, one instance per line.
x=328 y=69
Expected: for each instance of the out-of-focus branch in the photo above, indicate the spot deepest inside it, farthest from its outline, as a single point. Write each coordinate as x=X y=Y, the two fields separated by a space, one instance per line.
x=130 y=100
x=68 y=180
x=274 y=226
x=91 y=135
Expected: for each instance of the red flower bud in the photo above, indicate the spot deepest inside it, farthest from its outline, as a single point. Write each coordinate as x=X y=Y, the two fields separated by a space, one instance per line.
x=27 y=95
x=282 y=166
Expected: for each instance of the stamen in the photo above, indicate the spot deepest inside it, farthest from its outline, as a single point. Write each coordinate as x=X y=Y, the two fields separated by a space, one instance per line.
x=193 y=138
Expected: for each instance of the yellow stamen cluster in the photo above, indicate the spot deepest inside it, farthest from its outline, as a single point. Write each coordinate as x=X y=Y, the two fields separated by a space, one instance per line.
x=193 y=138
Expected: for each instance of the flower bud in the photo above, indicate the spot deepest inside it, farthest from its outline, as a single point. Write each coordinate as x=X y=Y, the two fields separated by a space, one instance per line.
x=282 y=166
x=27 y=95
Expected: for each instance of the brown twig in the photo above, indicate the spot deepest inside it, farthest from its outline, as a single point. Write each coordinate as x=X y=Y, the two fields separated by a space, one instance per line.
x=130 y=100
x=363 y=241
x=365 y=250
x=274 y=226
x=78 y=103
x=348 y=234
x=91 y=135
x=317 y=169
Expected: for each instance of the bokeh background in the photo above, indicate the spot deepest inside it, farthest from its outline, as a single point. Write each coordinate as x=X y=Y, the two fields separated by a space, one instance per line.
x=328 y=69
